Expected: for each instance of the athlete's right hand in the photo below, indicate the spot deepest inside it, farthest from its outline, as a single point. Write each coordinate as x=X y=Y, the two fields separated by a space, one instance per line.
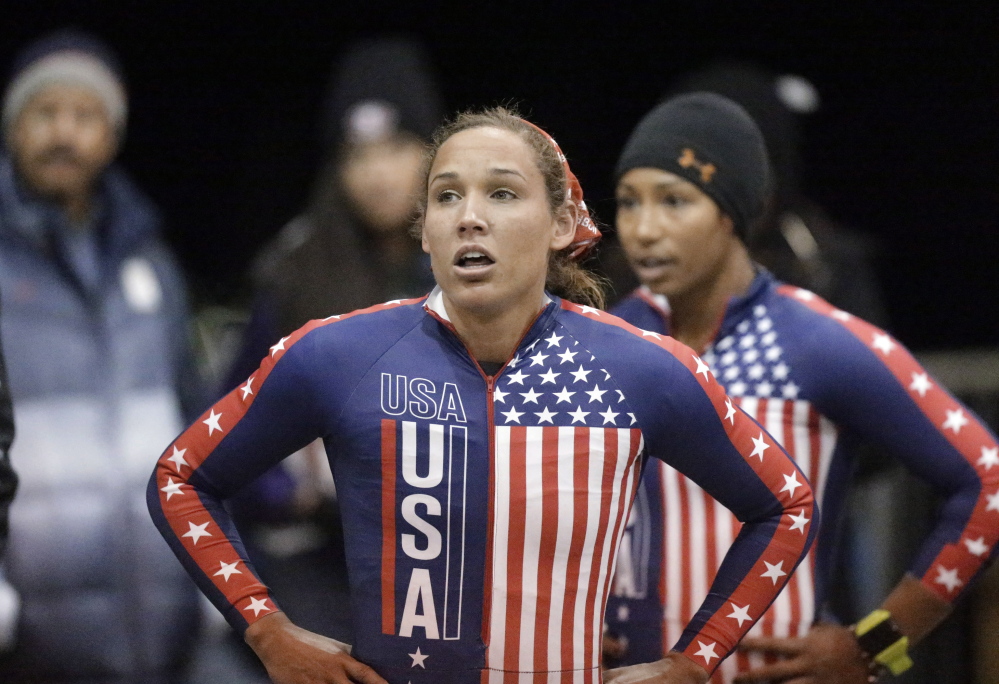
x=293 y=655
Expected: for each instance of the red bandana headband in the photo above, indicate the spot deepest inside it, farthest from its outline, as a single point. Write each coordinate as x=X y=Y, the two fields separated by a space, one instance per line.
x=587 y=233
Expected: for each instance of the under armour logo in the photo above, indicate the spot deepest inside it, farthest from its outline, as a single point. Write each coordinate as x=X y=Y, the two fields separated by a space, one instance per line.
x=687 y=159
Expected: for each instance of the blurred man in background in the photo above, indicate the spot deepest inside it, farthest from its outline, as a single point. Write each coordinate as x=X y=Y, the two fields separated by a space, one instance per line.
x=94 y=328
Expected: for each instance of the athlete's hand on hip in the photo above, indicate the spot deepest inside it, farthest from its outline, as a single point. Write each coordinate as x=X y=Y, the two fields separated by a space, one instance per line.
x=293 y=655
x=828 y=654
x=673 y=669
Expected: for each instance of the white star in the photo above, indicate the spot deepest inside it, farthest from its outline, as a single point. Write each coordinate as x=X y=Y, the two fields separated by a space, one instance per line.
x=755 y=372
x=171 y=488
x=580 y=374
x=514 y=361
x=764 y=389
x=532 y=345
x=512 y=415
x=579 y=415
x=538 y=359
x=279 y=346
x=768 y=339
x=759 y=310
x=773 y=353
x=620 y=396
x=546 y=416
x=759 y=446
x=883 y=343
x=790 y=391
x=596 y=394
x=707 y=651
x=738 y=388
x=499 y=395
x=730 y=412
x=531 y=396
x=740 y=614
x=197 y=532
x=774 y=571
x=804 y=295
x=392 y=302
x=418 y=658
x=751 y=356
x=764 y=325
x=589 y=309
x=993 y=504
x=729 y=358
x=609 y=416
x=702 y=368
x=976 y=547
x=549 y=376
x=332 y=318
x=841 y=315
x=649 y=333
x=213 y=422
x=791 y=482
x=948 y=578
x=799 y=522
x=178 y=458
x=747 y=341
x=257 y=605
x=780 y=371
x=731 y=373
x=247 y=388
x=517 y=377
x=726 y=343
x=606 y=373
x=633 y=419
x=553 y=340
x=742 y=327
x=227 y=570
x=955 y=420
x=921 y=383
x=990 y=457
x=563 y=395
x=567 y=356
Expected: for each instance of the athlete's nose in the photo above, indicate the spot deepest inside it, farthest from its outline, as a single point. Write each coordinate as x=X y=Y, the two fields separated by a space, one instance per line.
x=472 y=218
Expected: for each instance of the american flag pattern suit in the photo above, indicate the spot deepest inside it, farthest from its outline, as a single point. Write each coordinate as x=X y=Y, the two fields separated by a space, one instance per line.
x=482 y=515
x=816 y=378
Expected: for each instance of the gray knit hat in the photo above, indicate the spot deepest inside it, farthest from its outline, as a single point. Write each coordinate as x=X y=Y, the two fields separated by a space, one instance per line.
x=72 y=57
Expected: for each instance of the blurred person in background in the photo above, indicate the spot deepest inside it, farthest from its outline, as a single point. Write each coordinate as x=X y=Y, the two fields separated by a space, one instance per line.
x=690 y=182
x=95 y=331
x=351 y=248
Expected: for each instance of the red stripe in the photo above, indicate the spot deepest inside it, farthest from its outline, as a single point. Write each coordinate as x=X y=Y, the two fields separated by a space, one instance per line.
x=581 y=447
x=789 y=445
x=389 y=451
x=686 y=604
x=515 y=550
x=549 y=535
x=593 y=587
x=818 y=478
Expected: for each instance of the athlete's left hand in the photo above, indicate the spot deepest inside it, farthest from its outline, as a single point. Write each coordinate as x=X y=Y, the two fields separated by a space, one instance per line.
x=673 y=669
x=828 y=654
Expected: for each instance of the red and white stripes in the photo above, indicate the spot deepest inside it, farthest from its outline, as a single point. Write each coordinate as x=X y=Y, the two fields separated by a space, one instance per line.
x=561 y=499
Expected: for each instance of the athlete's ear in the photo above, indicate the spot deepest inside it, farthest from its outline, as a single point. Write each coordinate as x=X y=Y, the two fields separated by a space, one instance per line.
x=564 y=226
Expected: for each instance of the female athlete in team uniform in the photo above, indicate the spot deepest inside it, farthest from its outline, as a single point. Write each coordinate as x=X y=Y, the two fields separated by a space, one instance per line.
x=690 y=179
x=487 y=442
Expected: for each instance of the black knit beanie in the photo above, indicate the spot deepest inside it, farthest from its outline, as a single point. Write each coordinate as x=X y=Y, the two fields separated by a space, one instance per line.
x=710 y=141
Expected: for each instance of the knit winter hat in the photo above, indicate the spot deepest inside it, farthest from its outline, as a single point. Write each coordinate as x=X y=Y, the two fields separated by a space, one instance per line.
x=710 y=141
x=71 y=57
x=381 y=87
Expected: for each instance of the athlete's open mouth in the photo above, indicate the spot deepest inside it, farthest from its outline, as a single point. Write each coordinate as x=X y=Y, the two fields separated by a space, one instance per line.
x=473 y=258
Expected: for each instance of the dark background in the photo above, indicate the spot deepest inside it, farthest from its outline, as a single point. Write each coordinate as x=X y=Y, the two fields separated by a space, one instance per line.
x=226 y=98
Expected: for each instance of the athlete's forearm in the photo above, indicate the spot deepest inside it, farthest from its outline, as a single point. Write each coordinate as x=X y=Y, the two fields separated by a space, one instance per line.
x=915 y=609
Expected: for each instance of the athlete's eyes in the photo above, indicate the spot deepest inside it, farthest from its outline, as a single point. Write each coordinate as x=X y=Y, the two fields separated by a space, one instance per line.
x=447 y=196
x=674 y=201
x=504 y=194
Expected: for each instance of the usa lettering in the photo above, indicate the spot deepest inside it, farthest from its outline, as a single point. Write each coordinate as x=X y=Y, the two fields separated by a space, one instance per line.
x=419 y=398
x=434 y=461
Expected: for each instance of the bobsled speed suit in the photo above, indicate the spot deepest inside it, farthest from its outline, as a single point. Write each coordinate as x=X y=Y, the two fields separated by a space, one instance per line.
x=482 y=515
x=819 y=380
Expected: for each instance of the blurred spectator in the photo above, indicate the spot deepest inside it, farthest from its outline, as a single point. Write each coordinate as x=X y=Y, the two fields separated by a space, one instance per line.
x=94 y=328
x=349 y=249
x=8 y=485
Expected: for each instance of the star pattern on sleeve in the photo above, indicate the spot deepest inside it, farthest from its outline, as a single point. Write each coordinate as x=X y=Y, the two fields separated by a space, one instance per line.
x=177 y=458
x=213 y=422
x=976 y=547
x=739 y=613
x=278 y=347
x=228 y=569
x=955 y=420
x=707 y=651
x=247 y=389
x=791 y=482
x=171 y=488
x=948 y=578
x=990 y=457
x=774 y=571
x=921 y=383
x=798 y=522
x=883 y=343
x=257 y=606
x=759 y=446
x=196 y=532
